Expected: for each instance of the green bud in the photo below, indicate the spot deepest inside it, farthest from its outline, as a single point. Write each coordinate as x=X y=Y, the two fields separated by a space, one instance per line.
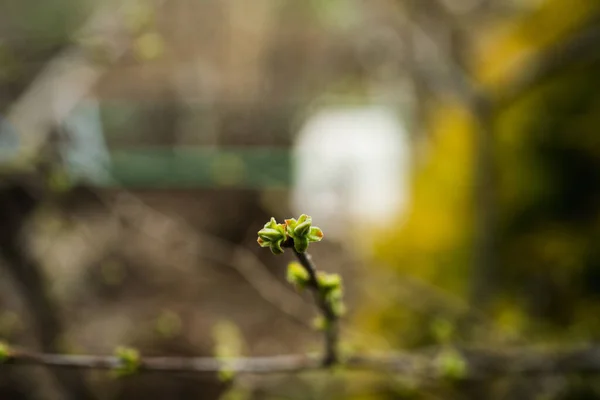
x=272 y=235
x=276 y=248
x=226 y=373
x=334 y=297
x=451 y=365
x=321 y=323
x=4 y=352
x=303 y=225
x=297 y=275
x=315 y=234
x=290 y=225
x=272 y=230
x=338 y=307
x=269 y=234
x=328 y=282
x=302 y=229
x=303 y=218
x=129 y=361
x=302 y=232
x=229 y=343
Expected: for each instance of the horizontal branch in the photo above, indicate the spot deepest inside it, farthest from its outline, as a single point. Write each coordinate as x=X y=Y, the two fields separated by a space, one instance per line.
x=479 y=363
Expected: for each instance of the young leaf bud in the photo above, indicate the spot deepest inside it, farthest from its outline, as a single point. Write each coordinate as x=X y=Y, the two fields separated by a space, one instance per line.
x=4 y=352
x=129 y=361
x=297 y=275
x=272 y=235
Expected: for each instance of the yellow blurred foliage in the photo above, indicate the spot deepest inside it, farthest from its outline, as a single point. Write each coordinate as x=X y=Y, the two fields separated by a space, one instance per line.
x=439 y=218
x=433 y=240
x=505 y=47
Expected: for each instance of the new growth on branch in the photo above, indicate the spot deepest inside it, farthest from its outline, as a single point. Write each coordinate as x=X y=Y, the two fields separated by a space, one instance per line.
x=443 y=363
x=326 y=288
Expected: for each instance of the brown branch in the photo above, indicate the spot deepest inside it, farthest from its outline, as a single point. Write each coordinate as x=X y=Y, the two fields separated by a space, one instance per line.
x=31 y=282
x=480 y=363
x=268 y=287
x=332 y=328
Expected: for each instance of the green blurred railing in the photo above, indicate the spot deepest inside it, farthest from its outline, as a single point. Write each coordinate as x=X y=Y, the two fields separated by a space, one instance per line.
x=200 y=168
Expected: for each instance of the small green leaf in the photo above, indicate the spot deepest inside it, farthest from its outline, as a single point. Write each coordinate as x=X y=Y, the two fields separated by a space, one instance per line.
x=4 y=352
x=226 y=374
x=315 y=234
x=328 y=282
x=301 y=244
x=229 y=343
x=303 y=226
x=338 y=307
x=304 y=218
x=452 y=365
x=297 y=275
x=268 y=234
x=321 y=323
x=331 y=288
x=290 y=225
x=272 y=224
x=272 y=235
x=301 y=231
x=129 y=361
x=276 y=248
x=334 y=297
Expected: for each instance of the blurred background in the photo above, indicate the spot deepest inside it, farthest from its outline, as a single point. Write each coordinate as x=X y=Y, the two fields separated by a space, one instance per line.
x=448 y=149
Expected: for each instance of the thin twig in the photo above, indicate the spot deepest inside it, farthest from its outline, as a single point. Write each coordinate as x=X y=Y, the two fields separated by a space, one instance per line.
x=332 y=329
x=480 y=363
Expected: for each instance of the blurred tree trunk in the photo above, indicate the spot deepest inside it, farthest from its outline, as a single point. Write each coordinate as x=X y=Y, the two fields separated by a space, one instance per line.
x=16 y=206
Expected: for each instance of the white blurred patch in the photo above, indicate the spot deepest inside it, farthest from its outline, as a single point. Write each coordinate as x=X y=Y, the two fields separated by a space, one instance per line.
x=351 y=161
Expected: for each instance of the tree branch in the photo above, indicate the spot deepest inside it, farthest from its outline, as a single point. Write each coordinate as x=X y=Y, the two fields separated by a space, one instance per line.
x=16 y=207
x=480 y=363
x=332 y=328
